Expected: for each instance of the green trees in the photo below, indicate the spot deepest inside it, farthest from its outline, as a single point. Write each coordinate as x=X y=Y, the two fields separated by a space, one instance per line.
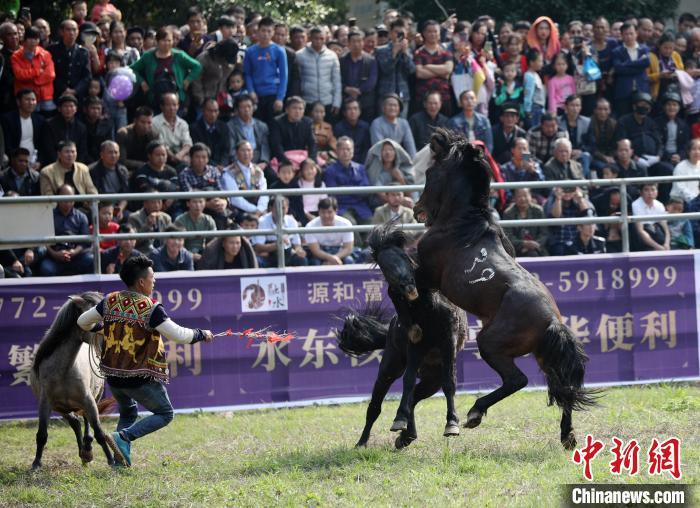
x=562 y=11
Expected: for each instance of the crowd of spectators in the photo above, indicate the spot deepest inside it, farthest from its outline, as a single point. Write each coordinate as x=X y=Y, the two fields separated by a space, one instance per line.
x=250 y=103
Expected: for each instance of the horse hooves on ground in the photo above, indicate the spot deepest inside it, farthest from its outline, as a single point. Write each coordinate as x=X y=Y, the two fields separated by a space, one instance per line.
x=451 y=429
x=399 y=425
x=473 y=419
x=36 y=466
x=402 y=441
x=361 y=444
x=86 y=456
x=569 y=442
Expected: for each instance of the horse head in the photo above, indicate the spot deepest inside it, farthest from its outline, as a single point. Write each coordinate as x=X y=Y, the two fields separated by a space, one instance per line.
x=387 y=243
x=459 y=177
x=86 y=300
x=83 y=302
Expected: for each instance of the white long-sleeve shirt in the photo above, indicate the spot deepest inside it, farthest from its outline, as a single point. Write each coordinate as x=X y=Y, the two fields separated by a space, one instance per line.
x=687 y=191
x=165 y=326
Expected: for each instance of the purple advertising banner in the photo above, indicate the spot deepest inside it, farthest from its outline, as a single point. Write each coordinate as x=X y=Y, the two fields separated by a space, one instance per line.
x=636 y=315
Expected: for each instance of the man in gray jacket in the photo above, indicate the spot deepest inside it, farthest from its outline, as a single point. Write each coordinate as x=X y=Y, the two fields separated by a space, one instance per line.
x=320 y=75
x=244 y=126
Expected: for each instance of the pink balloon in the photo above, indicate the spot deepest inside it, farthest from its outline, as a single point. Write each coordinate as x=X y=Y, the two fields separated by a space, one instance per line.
x=121 y=87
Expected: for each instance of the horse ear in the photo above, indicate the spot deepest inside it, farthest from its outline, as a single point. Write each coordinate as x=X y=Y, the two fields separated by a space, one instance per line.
x=440 y=143
x=78 y=300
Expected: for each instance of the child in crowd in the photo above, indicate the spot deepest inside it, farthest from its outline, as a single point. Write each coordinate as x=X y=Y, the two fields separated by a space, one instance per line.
x=323 y=133
x=105 y=215
x=310 y=177
x=286 y=179
x=681 y=230
x=535 y=98
x=560 y=86
x=249 y=221
x=509 y=90
x=116 y=110
x=235 y=87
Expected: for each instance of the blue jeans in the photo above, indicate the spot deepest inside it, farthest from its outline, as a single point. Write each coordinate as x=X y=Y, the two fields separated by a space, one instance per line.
x=585 y=161
x=535 y=116
x=82 y=263
x=154 y=397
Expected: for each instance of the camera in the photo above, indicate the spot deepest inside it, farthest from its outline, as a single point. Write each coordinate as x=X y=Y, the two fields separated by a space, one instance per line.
x=578 y=40
x=400 y=36
x=352 y=22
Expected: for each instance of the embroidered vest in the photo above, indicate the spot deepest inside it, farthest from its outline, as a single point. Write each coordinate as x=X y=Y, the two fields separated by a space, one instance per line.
x=132 y=348
x=256 y=175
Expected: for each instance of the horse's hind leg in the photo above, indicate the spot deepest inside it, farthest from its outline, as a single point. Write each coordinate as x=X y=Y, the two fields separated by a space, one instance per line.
x=428 y=386
x=87 y=436
x=93 y=417
x=42 y=432
x=449 y=387
x=513 y=380
x=568 y=438
x=390 y=369
x=75 y=424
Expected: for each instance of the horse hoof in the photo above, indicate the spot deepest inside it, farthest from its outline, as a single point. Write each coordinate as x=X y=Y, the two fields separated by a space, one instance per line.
x=86 y=456
x=361 y=444
x=473 y=419
x=399 y=425
x=36 y=466
x=403 y=441
x=569 y=442
x=451 y=429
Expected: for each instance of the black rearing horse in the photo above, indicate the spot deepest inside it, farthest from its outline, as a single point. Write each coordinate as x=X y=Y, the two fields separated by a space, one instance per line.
x=421 y=340
x=466 y=256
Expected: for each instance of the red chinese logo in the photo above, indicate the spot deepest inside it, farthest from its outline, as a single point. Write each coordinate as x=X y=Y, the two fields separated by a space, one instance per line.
x=661 y=457
x=665 y=457
x=586 y=455
x=626 y=457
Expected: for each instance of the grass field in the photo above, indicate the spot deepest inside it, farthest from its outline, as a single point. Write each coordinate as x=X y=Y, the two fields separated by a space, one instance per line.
x=305 y=456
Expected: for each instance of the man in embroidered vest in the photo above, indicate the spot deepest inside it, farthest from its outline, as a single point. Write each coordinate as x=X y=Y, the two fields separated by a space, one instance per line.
x=133 y=359
x=244 y=175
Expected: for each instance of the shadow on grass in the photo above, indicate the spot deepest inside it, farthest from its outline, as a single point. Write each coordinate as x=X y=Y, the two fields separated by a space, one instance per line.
x=309 y=461
x=53 y=472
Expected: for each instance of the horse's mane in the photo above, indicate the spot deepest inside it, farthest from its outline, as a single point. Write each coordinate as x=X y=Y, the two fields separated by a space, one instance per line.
x=455 y=155
x=461 y=161
x=64 y=324
x=386 y=235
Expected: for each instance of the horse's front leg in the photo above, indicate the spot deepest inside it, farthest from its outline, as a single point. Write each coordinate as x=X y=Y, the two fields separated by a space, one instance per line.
x=414 y=357
x=42 y=434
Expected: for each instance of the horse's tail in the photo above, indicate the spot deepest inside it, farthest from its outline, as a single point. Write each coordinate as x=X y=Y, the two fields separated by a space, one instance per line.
x=63 y=325
x=363 y=331
x=563 y=362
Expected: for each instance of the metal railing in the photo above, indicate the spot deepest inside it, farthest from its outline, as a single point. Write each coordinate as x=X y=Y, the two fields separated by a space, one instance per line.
x=279 y=231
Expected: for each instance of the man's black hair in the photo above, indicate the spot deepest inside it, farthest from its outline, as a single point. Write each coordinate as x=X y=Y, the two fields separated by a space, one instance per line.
x=134 y=269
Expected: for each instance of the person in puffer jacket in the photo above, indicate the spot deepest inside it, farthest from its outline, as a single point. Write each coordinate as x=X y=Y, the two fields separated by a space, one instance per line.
x=320 y=75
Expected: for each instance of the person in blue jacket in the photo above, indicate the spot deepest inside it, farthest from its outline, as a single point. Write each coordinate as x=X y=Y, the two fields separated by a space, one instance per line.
x=265 y=69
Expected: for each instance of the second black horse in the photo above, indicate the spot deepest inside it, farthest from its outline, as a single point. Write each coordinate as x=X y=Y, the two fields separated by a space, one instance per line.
x=421 y=340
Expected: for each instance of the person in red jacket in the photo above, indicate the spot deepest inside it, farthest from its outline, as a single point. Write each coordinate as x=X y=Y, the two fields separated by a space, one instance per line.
x=33 y=68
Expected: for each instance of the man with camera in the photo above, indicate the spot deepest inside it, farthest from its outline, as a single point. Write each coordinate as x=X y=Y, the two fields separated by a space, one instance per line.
x=395 y=66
